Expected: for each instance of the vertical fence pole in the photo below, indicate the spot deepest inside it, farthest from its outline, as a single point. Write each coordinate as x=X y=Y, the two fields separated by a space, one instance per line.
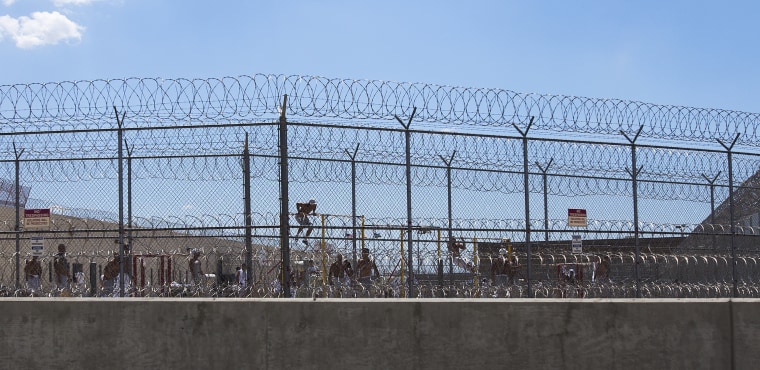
x=353 y=202
x=527 y=199
x=439 y=268
x=448 y=206
x=712 y=208
x=17 y=228
x=323 y=251
x=120 y=136
x=93 y=279
x=284 y=219
x=247 y=212
x=363 y=238
x=476 y=266
x=403 y=265
x=731 y=211
x=407 y=136
x=634 y=172
x=544 y=170
x=128 y=246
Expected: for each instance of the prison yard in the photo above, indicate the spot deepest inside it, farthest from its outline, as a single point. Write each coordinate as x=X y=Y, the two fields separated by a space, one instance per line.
x=182 y=219
x=157 y=263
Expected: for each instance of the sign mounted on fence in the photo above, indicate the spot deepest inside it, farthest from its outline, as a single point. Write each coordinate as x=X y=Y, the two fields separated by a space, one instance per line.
x=38 y=245
x=577 y=244
x=37 y=218
x=576 y=217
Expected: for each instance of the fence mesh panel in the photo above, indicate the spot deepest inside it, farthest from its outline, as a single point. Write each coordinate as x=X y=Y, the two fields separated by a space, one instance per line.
x=170 y=187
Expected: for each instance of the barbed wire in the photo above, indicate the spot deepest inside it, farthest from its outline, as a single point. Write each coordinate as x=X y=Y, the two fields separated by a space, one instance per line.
x=555 y=274
x=330 y=144
x=482 y=163
x=151 y=102
x=195 y=130
x=476 y=152
x=266 y=224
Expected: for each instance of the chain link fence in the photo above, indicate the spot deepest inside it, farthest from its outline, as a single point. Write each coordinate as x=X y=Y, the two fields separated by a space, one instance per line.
x=176 y=188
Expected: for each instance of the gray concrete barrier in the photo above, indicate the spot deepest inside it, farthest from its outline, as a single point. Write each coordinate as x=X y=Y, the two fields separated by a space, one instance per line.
x=185 y=333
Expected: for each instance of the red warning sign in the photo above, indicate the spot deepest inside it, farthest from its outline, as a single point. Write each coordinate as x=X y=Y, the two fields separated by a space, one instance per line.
x=577 y=217
x=37 y=218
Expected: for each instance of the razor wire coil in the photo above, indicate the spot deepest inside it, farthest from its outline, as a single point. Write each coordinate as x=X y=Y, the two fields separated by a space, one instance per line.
x=158 y=101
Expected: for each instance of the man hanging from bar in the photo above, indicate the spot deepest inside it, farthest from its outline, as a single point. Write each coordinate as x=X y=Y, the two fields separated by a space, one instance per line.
x=455 y=247
x=304 y=210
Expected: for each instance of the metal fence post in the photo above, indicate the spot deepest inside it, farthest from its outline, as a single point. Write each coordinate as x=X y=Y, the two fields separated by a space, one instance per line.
x=17 y=228
x=120 y=135
x=93 y=279
x=407 y=136
x=527 y=198
x=353 y=202
x=284 y=219
x=731 y=210
x=634 y=172
x=546 y=198
x=128 y=246
x=448 y=206
x=247 y=212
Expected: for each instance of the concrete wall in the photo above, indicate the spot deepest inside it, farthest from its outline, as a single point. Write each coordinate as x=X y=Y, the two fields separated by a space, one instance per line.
x=379 y=334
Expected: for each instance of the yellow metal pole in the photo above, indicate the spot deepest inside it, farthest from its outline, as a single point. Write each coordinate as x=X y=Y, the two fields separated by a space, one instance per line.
x=362 y=232
x=475 y=258
x=403 y=293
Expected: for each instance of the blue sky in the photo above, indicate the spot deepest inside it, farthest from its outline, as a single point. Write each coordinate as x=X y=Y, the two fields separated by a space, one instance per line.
x=689 y=53
x=685 y=53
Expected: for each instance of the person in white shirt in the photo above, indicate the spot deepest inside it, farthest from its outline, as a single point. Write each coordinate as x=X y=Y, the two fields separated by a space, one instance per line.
x=241 y=279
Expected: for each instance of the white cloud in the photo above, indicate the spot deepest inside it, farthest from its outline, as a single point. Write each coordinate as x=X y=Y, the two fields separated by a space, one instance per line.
x=8 y=2
x=42 y=28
